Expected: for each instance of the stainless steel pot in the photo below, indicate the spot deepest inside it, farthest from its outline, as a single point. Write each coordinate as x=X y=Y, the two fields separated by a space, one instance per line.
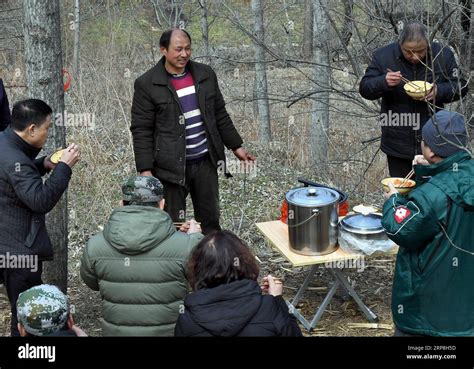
x=364 y=227
x=312 y=220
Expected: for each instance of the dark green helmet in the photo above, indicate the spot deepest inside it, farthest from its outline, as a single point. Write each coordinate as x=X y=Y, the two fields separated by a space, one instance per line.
x=139 y=190
x=42 y=310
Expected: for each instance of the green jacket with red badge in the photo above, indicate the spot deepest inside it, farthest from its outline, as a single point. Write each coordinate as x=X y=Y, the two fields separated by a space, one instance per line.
x=433 y=292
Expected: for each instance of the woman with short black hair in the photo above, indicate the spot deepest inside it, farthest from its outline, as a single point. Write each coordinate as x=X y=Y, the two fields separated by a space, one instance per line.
x=227 y=300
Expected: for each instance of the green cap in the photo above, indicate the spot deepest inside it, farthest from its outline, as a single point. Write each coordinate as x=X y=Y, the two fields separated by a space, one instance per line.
x=42 y=310
x=140 y=189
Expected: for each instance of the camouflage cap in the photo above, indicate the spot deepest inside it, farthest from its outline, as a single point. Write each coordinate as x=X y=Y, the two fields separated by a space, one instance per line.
x=141 y=189
x=42 y=310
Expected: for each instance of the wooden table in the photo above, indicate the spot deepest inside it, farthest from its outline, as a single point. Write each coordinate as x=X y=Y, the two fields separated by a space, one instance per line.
x=277 y=233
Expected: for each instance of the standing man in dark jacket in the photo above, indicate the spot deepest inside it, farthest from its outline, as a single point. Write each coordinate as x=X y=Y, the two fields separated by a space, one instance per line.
x=25 y=199
x=180 y=127
x=401 y=116
x=5 y=117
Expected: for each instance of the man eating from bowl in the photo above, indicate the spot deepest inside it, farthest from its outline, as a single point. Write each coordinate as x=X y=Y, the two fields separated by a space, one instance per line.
x=414 y=58
x=434 y=227
x=25 y=198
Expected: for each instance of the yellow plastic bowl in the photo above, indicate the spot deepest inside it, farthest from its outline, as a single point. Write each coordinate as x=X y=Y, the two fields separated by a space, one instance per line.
x=407 y=187
x=56 y=156
x=417 y=89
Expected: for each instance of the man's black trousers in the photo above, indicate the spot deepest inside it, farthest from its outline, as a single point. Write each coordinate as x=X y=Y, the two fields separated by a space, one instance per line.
x=203 y=185
x=16 y=281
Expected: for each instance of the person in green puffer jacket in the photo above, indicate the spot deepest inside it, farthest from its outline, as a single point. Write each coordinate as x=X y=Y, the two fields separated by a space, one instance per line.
x=434 y=226
x=137 y=263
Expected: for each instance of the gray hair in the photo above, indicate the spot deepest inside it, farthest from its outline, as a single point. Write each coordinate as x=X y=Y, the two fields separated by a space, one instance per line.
x=413 y=32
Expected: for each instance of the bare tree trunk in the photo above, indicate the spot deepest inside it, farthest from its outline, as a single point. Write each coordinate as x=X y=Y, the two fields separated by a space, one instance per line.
x=11 y=40
x=307 y=51
x=289 y=28
x=264 y=129
x=205 y=30
x=169 y=13
x=320 y=114
x=42 y=34
x=346 y=31
x=77 y=40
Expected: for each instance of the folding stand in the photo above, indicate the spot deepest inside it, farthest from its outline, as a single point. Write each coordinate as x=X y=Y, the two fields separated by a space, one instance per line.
x=339 y=280
x=277 y=233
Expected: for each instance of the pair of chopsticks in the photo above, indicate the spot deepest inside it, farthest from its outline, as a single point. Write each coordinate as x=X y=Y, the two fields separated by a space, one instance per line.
x=178 y=224
x=433 y=106
x=409 y=175
x=406 y=80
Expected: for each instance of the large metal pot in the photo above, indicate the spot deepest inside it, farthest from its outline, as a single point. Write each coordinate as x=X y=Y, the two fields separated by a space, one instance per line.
x=312 y=220
x=343 y=203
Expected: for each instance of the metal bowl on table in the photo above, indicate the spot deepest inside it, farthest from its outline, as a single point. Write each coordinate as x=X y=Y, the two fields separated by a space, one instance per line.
x=363 y=234
x=365 y=227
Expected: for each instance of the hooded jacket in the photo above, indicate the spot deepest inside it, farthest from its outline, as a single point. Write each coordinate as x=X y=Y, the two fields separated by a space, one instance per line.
x=137 y=264
x=434 y=227
x=402 y=117
x=235 y=309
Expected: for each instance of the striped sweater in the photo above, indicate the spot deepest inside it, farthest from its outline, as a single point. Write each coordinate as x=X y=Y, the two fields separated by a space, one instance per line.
x=196 y=141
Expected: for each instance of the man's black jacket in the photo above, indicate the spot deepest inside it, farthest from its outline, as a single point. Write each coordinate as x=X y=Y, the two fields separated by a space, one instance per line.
x=158 y=125
x=404 y=141
x=25 y=199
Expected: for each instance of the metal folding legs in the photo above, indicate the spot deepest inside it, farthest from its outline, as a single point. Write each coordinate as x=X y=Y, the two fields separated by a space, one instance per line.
x=339 y=280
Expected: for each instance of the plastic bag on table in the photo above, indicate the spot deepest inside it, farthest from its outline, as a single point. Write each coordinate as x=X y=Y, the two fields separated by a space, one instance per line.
x=354 y=245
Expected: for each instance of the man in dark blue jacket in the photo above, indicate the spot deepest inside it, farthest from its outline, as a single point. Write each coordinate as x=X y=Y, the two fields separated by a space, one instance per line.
x=25 y=199
x=5 y=116
x=403 y=117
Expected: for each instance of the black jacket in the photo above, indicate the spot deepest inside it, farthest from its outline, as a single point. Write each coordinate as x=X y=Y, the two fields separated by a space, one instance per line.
x=235 y=309
x=404 y=141
x=5 y=117
x=159 y=139
x=25 y=199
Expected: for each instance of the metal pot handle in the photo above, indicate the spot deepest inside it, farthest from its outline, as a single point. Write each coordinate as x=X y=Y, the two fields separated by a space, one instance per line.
x=306 y=183
x=315 y=214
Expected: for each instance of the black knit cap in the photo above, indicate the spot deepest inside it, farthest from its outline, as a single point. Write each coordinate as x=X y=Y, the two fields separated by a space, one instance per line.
x=444 y=133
